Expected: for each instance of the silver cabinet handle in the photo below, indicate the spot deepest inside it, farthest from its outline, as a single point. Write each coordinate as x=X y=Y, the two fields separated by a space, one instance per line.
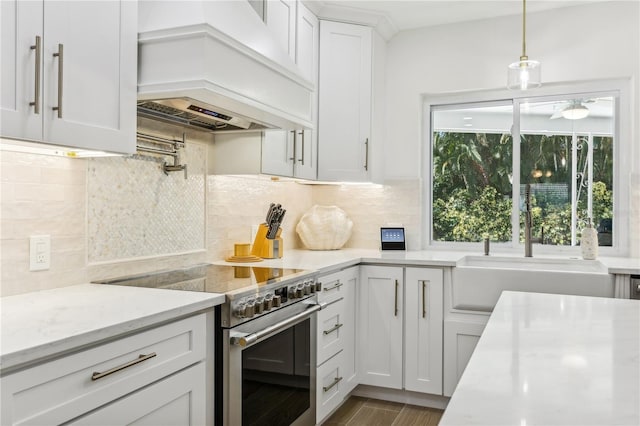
x=366 y=154
x=335 y=382
x=424 y=298
x=60 y=55
x=301 y=159
x=293 y=132
x=36 y=100
x=338 y=285
x=141 y=358
x=331 y=330
x=395 y=311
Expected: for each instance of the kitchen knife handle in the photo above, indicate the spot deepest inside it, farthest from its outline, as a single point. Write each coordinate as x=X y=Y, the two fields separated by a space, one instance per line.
x=60 y=55
x=366 y=154
x=395 y=311
x=36 y=100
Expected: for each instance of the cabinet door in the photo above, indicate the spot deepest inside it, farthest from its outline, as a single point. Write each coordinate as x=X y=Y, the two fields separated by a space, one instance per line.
x=350 y=352
x=21 y=23
x=380 y=326
x=344 y=121
x=423 y=330
x=93 y=80
x=280 y=18
x=307 y=43
x=178 y=400
x=460 y=339
x=277 y=152
x=305 y=154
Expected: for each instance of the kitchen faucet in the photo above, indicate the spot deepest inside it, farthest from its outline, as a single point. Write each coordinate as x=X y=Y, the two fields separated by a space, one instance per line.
x=527 y=221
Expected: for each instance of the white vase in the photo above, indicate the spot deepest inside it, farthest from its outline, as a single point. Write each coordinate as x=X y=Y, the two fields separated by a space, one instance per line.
x=324 y=228
x=589 y=242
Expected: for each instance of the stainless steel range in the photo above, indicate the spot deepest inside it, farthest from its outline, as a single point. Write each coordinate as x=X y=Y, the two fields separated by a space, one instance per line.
x=265 y=339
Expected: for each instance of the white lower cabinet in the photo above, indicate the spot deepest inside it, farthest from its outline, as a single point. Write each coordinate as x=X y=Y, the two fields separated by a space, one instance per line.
x=336 y=344
x=401 y=305
x=423 y=330
x=123 y=373
x=460 y=339
x=177 y=400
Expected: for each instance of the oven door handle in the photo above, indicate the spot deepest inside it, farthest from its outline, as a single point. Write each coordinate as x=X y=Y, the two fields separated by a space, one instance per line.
x=246 y=340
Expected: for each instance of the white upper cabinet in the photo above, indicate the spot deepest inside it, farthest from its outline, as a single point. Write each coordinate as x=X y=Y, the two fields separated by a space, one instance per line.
x=293 y=153
x=345 y=95
x=280 y=18
x=69 y=73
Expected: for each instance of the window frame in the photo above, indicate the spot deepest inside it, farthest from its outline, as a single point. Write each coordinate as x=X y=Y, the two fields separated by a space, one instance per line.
x=622 y=150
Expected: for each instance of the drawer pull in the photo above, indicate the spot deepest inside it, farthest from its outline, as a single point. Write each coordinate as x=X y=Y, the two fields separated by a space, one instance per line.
x=141 y=358
x=335 y=382
x=36 y=102
x=60 y=55
x=338 y=285
x=331 y=330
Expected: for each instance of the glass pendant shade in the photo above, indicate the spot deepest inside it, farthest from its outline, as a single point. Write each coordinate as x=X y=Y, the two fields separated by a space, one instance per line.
x=524 y=74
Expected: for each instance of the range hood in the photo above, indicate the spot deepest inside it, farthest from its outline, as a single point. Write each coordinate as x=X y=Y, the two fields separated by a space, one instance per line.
x=215 y=66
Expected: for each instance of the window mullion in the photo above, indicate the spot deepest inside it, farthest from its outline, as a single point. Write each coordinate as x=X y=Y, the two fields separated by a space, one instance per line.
x=515 y=181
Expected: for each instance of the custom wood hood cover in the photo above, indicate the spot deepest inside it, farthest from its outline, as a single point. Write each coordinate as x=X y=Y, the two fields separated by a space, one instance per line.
x=221 y=56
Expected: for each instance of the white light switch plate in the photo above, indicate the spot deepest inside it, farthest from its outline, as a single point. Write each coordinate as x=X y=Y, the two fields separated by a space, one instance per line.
x=39 y=252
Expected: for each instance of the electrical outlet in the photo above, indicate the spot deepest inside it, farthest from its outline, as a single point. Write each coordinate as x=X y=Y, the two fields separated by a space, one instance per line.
x=39 y=252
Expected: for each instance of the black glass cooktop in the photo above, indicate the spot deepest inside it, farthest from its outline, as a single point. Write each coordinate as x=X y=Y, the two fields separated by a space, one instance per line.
x=227 y=279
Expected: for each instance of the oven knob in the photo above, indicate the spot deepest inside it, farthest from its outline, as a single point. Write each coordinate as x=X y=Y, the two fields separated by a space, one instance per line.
x=276 y=300
x=259 y=306
x=250 y=309
x=300 y=290
x=239 y=311
x=318 y=287
x=268 y=301
x=292 y=293
x=307 y=287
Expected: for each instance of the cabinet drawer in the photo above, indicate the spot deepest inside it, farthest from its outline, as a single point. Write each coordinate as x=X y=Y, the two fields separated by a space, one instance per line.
x=333 y=287
x=59 y=390
x=329 y=383
x=331 y=328
x=178 y=400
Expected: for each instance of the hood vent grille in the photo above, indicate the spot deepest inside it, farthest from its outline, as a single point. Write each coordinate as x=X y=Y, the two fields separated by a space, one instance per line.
x=160 y=111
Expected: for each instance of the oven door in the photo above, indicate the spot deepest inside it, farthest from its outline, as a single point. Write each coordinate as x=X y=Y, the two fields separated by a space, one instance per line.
x=269 y=369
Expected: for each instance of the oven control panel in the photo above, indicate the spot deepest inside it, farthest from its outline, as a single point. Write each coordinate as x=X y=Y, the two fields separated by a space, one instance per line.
x=261 y=303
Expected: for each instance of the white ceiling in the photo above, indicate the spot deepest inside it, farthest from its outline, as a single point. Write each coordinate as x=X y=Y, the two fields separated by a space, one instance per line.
x=399 y=15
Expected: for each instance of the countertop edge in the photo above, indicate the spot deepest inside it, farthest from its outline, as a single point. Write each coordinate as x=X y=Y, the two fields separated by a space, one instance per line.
x=31 y=355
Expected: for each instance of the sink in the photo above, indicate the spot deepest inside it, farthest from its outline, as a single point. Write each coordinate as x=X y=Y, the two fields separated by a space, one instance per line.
x=477 y=281
x=533 y=264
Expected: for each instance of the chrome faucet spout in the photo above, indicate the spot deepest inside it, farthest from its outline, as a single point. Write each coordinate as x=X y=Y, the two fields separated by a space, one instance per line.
x=527 y=222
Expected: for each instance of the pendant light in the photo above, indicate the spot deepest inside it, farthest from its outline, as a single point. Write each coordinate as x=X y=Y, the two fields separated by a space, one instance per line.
x=524 y=74
x=576 y=110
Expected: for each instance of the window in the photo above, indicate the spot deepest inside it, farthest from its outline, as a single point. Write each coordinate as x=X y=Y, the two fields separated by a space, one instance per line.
x=486 y=155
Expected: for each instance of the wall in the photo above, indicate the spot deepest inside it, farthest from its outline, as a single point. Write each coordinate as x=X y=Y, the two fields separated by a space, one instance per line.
x=595 y=41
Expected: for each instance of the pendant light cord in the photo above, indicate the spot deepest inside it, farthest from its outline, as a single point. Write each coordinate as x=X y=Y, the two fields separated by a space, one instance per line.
x=524 y=30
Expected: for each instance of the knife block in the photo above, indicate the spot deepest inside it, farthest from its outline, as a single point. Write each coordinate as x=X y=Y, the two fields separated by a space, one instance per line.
x=266 y=248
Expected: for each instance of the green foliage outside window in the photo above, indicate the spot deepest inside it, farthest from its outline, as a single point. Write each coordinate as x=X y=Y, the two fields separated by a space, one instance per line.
x=472 y=188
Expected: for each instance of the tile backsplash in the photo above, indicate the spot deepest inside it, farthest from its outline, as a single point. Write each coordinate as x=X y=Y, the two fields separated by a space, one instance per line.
x=135 y=210
x=111 y=217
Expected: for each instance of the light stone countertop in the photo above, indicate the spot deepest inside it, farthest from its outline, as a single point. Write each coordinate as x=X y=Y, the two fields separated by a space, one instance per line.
x=328 y=260
x=552 y=359
x=42 y=324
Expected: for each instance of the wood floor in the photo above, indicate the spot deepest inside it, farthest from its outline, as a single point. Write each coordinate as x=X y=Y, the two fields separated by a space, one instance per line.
x=357 y=411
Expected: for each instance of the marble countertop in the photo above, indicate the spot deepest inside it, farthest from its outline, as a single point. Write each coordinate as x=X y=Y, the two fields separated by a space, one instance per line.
x=324 y=261
x=553 y=360
x=41 y=324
